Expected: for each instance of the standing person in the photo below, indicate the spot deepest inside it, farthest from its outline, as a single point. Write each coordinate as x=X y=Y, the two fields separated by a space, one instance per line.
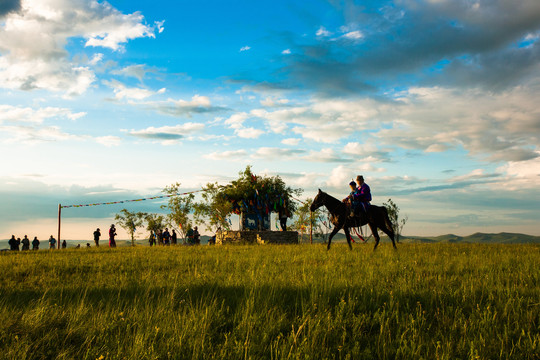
x=152 y=238
x=174 y=237
x=160 y=237
x=112 y=234
x=35 y=243
x=196 y=236
x=18 y=243
x=25 y=243
x=189 y=235
x=12 y=243
x=97 y=234
x=166 y=236
x=64 y=244
x=282 y=213
x=52 y=243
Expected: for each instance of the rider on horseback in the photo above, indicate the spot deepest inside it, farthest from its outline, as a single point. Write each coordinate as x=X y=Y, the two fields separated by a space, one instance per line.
x=359 y=197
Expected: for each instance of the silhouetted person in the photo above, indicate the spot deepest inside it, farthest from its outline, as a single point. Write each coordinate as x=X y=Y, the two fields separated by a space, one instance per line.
x=64 y=244
x=12 y=243
x=25 y=243
x=196 y=236
x=174 y=237
x=166 y=236
x=52 y=243
x=97 y=234
x=152 y=238
x=283 y=219
x=18 y=243
x=35 y=243
x=112 y=234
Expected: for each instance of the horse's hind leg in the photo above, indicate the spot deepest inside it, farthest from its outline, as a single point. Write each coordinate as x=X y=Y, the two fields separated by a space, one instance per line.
x=375 y=233
x=348 y=235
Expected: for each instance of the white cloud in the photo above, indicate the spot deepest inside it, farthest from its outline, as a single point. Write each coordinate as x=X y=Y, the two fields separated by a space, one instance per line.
x=322 y=32
x=249 y=133
x=227 y=155
x=14 y=114
x=123 y=92
x=286 y=52
x=179 y=107
x=326 y=155
x=340 y=176
x=168 y=135
x=33 y=42
x=353 y=35
x=272 y=153
x=245 y=48
x=108 y=140
x=291 y=141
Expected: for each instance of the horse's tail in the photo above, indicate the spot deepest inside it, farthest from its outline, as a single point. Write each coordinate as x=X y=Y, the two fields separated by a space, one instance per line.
x=388 y=223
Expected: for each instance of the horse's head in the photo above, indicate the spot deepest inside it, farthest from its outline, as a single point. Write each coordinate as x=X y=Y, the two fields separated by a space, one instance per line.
x=318 y=201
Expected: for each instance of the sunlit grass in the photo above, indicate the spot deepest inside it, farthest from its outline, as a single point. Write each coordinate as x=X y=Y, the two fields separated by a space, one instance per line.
x=423 y=301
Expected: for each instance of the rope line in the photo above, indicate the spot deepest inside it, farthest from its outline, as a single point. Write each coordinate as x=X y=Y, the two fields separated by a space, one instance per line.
x=127 y=201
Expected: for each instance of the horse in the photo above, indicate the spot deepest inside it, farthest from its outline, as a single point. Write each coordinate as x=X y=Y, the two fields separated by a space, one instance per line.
x=377 y=218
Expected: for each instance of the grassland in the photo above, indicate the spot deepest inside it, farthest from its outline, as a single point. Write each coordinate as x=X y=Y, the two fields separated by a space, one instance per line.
x=440 y=301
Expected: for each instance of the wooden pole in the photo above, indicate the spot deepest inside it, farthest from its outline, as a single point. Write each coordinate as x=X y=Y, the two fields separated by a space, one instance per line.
x=59 y=221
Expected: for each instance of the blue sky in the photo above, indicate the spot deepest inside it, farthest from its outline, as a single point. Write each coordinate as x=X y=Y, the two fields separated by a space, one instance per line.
x=434 y=102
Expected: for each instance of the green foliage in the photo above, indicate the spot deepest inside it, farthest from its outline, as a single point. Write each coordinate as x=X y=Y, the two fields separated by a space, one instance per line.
x=248 y=194
x=154 y=222
x=214 y=209
x=306 y=221
x=438 y=301
x=393 y=214
x=179 y=207
x=130 y=221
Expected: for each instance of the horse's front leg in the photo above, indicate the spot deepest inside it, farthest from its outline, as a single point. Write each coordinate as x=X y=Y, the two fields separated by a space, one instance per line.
x=348 y=235
x=334 y=232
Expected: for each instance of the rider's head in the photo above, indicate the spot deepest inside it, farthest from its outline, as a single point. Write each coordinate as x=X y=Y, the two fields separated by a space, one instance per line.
x=352 y=184
x=360 y=179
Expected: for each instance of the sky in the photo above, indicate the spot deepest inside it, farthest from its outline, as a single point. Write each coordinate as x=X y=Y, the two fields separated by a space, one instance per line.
x=434 y=102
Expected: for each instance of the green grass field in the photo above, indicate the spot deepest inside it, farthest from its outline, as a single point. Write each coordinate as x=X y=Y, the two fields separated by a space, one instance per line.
x=440 y=301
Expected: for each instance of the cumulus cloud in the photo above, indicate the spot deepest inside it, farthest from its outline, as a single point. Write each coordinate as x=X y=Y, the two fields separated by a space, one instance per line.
x=34 y=38
x=495 y=127
x=17 y=114
x=245 y=48
x=227 y=155
x=123 y=92
x=274 y=153
x=138 y=71
x=492 y=44
x=326 y=155
x=168 y=133
x=179 y=107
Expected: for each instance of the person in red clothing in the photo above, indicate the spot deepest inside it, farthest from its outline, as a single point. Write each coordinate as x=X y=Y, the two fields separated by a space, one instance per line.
x=112 y=234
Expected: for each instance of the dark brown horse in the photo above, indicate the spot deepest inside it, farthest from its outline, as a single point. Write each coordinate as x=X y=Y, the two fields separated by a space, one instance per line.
x=376 y=218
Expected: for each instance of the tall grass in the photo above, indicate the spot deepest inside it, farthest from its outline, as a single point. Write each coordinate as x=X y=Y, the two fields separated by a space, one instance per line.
x=249 y=302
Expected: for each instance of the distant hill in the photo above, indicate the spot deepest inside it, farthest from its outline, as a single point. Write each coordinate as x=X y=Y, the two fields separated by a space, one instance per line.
x=477 y=238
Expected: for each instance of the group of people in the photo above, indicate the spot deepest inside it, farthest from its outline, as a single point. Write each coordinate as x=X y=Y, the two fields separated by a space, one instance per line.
x=160 y=237
x=112 y=236
x=15 y=243
x=164 y=237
